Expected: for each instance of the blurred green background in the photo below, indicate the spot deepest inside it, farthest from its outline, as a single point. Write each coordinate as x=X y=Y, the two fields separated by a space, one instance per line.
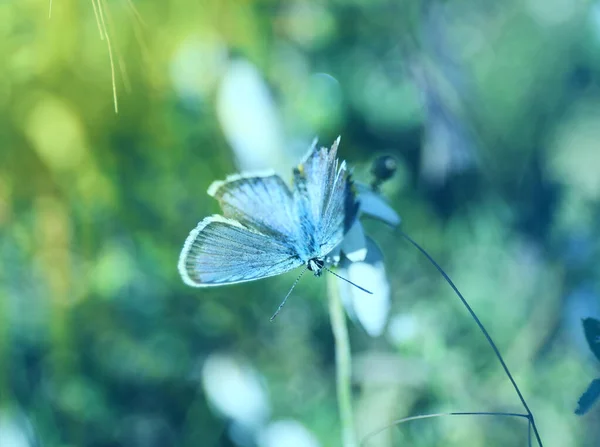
x=493 y=112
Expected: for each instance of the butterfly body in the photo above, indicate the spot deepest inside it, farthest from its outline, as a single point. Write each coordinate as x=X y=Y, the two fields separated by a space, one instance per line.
x=315 y=265
x=267 y=229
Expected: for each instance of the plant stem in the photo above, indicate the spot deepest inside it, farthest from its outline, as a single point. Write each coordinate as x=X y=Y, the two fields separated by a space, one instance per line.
x=343 y=362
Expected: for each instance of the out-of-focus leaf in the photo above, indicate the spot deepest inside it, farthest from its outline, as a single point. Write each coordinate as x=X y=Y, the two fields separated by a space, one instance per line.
x=591 y=328
x=588 y=398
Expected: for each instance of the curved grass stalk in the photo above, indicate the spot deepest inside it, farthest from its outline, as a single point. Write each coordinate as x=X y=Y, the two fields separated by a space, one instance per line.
x=135 y=12
x=436 y=415
x=485 y=333
x=98 y=24
x=120 y=59
x=99 y=12
x=101 y=5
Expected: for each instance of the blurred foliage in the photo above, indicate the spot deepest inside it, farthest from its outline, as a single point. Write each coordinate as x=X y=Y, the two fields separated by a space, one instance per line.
x=591 y=328
x=492 y=110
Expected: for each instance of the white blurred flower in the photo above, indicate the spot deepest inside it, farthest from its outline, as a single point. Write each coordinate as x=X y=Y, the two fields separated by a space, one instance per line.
x=235 y=390
x=354 y=245
x=371 y=311
x=249 y=118
x=15 y=430
x=361 y=260
x=288 y=433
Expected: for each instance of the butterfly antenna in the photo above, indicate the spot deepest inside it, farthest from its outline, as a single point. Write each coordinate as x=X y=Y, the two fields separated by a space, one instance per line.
x=288 y=294
x=348 y=281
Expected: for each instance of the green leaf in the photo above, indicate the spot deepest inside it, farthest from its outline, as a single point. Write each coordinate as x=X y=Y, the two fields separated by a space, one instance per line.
x=588 y=398
x=591 y=328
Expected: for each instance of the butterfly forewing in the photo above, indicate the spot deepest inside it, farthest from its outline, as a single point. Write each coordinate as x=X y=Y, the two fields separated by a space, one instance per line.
x=262 y=202
x=222 y=251
x=331 y=202
x=319 y=169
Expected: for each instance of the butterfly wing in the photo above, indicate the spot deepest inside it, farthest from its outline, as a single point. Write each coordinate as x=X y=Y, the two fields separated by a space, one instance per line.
x=325 y=195
x=262 y=202
x=223 y=251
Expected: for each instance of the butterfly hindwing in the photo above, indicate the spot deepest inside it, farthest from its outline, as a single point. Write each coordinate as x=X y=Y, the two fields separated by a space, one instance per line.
x=223 y=251
x=262 y=202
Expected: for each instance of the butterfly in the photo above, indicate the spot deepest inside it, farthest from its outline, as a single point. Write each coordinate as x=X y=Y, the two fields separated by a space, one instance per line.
x=268 y=229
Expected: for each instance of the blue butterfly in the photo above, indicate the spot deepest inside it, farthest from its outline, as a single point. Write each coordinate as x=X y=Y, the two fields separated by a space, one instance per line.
x=267 y=229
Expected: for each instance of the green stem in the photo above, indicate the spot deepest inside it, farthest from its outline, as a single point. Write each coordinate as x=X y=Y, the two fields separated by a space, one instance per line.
x=343 y=362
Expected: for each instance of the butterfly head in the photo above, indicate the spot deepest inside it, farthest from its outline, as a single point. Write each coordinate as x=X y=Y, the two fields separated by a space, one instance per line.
x=315 y=265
